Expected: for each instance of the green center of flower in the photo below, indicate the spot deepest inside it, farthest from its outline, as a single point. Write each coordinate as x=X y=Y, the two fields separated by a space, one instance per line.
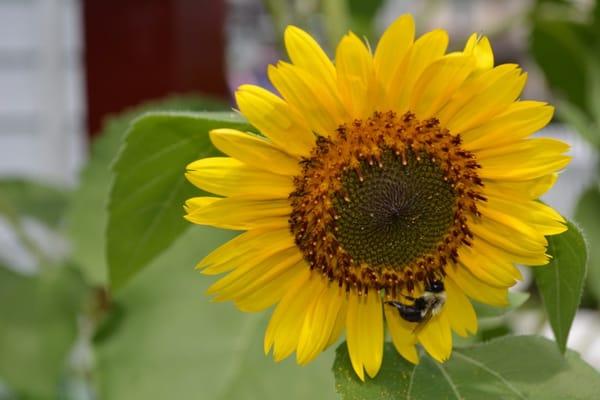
x=391 y=214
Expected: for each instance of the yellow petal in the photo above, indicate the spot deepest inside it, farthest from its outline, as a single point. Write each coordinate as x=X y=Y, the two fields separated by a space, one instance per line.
x=525 y=160
x=246 y=245
x=436 y=337
x=502 y=216
x=490 y=102
x=306 y=53
x=254 y=272
x=498 y=250
x=424 y=51
x=270 y=291
x=542 y=146
x=197 y=203
x=254 y=151
x=320 y=322
x=526 y=189
x=392 y=47
x=374 y=343
x=487 y=265
x=402 y=336
x=275 y=119
x=227 y=176
x=322 y=112
x=240 y=213
x=364 y=325
x=438 y=83
x=543 y=219
x=477 y=289
x=283 y=331
x=473 y=86
x=356 y=76
x=481 y=48
x=460 y=312
x=340 y=323
x=520 y=120
x=508 y=237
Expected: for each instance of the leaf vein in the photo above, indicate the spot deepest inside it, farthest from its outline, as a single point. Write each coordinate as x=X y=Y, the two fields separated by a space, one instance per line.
x=410 y=382
x=450 y=381
x=490 y=371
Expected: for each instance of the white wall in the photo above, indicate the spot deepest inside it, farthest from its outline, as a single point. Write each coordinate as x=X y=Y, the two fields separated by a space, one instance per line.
x=41 y=89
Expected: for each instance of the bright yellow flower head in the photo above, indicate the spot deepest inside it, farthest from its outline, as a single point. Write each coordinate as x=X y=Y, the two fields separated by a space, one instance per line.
x=396 y=185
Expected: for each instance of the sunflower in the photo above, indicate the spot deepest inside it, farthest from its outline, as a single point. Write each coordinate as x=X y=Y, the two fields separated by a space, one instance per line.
x=376 y=177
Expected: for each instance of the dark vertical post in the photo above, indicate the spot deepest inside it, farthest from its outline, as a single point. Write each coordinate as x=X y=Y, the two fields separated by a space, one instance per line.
x=137 y=50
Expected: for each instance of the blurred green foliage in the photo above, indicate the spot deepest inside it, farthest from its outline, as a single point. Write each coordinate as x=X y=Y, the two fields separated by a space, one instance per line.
x=38 y=327
x=564 y=41
x=23 y=198
x=337 y=17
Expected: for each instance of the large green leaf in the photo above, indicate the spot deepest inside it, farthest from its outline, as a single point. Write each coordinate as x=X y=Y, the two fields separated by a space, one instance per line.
x=588 y=216
x=561 y=281
x=173 y=343
x=512 y=367
x=38 y=325
x=86 y=215
x=145 y=213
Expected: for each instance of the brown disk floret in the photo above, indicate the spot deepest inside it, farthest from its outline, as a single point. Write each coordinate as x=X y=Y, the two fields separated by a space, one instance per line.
x=383 y=203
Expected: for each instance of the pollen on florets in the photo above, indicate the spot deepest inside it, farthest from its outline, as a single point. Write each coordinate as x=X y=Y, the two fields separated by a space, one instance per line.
x=383 y=203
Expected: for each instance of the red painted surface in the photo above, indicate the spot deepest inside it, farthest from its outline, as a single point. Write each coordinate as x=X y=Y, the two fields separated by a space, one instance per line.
x=137 y=50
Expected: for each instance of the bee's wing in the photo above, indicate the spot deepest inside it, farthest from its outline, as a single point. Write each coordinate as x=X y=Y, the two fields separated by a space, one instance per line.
x=419 y=327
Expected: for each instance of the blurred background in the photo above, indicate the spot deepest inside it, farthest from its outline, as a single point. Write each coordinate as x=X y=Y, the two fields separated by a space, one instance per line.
x=73 y=73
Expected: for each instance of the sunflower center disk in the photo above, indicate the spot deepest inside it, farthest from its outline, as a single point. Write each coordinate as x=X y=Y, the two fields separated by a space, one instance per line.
x=384 y=203
x=394 y=213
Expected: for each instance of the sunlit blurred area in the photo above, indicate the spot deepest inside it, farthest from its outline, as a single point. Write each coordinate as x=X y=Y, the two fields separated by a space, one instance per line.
x=75 y=73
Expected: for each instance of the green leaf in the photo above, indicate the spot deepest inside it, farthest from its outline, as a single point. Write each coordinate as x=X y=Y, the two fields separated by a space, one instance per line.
x=587 y=216
x=149 y=190
x=87 y=216
x=511 y=367
x=515 y=300
x=174 y=343
x=559 y=48
x=561 y=281
x=38 y=325
x=33 y=199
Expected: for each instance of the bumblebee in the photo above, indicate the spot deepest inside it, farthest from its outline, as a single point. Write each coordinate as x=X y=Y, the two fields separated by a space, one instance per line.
x=423 y=308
